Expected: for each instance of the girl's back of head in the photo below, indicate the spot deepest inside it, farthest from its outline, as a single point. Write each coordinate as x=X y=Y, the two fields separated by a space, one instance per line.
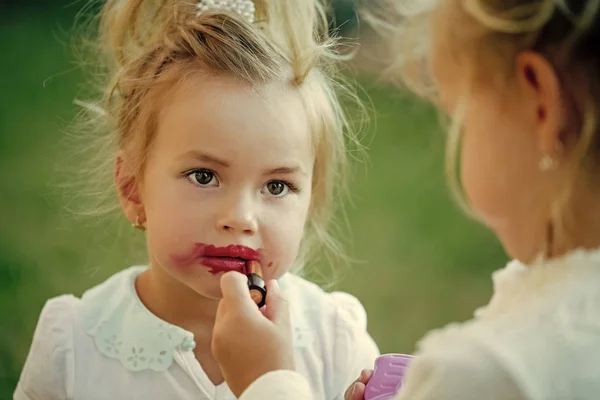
x=520 y=79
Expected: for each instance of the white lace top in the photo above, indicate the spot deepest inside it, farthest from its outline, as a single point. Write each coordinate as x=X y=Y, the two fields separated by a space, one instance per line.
x=537 y=339
x=107 y=345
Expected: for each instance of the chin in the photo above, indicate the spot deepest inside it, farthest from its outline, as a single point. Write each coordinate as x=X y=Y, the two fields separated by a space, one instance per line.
x=520 y=250
x=196 y=282
x=209 y=288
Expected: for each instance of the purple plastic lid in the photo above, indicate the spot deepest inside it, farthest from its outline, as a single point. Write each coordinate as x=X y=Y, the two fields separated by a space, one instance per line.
x=387 y=376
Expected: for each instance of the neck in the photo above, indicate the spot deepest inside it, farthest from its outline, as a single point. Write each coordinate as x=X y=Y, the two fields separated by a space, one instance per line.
x=177 y=304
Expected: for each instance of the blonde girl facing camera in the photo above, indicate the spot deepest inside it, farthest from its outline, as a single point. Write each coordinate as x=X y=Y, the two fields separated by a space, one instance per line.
x=520 y=79
x=229 y=146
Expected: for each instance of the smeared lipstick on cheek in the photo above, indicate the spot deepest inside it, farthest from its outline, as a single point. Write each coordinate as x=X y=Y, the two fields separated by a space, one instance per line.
x=189 y=258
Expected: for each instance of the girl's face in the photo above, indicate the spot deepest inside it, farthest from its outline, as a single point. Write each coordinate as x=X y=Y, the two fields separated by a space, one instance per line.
x=504 y=125
x=230 y=165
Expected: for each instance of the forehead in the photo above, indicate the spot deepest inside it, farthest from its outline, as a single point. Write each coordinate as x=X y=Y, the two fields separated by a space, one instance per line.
x=225 y=115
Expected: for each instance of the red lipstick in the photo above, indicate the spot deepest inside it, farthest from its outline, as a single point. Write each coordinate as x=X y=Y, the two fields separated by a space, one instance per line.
x=219 y=259
x=256 y=284
x=232 y=251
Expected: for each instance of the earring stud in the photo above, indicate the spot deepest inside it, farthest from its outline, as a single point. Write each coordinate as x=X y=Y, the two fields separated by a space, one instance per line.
x=137 y=224
x=547 y=163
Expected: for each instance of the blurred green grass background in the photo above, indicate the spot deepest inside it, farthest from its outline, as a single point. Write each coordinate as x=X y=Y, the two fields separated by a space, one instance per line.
x=424 y=264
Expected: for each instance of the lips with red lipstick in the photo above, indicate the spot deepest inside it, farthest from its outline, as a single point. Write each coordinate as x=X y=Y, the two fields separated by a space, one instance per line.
x=219 y=259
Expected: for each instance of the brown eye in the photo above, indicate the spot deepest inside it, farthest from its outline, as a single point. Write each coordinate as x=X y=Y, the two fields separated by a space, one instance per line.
x=203 y=177
x=277 y=188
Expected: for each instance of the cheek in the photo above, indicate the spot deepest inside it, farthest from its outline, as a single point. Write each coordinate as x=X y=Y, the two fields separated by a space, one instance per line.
x=487 y=162
x=173 y=219
x=499 y=166
x=282 y=238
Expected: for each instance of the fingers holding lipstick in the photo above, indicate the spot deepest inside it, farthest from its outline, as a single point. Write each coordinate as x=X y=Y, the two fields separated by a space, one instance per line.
x=276 y=306
x=235 y=292
x=245 y=343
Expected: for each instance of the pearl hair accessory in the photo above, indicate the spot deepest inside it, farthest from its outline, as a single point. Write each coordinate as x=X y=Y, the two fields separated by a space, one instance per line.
x=245 y=8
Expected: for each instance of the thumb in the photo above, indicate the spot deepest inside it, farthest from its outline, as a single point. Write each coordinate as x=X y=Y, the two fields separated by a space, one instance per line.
x=355 y=392
x=234 y=288
x=277 y=308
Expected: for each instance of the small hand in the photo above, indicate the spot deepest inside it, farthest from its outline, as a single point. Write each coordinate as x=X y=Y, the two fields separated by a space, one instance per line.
x=356 y=391
x=247 y=342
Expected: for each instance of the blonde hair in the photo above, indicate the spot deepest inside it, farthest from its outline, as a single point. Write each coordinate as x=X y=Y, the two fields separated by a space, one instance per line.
x=484 y=37
x=146 y=44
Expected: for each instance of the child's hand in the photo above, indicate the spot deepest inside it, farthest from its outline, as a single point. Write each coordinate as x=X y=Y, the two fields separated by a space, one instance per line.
x=356 y=391
x=248 y=343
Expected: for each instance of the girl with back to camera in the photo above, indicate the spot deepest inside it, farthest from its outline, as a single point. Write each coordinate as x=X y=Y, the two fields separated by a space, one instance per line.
x=521 y=80
x=229 y=149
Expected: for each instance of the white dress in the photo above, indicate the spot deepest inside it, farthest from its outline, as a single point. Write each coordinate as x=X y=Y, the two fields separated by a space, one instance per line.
x=538 y=339
x=107 y=345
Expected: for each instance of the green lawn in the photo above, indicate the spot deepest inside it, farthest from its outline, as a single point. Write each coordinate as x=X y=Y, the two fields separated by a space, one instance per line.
x=423 y=264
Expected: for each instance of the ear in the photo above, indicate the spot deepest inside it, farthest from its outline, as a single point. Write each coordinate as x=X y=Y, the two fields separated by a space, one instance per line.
x=541 y=85
x=128 y=189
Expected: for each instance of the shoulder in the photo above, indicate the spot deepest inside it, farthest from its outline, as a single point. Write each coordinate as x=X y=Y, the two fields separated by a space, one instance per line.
x=342 y=310
x=492 y=353
x=59 y=307
x=462 y=369
x=336 y=323
x=55 y=324
x=49 y=365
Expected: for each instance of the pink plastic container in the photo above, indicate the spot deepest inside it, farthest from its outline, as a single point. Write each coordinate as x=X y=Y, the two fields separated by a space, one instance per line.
x=387 y=376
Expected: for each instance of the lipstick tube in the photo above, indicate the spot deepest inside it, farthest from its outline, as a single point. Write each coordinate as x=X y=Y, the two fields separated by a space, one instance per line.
x=256 y=284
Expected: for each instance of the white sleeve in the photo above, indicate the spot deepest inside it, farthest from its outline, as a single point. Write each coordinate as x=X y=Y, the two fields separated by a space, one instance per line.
x=48 y=371
x=282 y=384
x=460 y=371
x=354 y=348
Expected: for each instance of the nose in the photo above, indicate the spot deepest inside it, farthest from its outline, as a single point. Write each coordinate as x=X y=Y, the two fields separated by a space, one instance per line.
x=237 y=215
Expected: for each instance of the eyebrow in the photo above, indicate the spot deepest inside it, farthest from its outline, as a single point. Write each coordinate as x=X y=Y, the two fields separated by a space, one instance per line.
x=285 y=171
x=200 y=156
